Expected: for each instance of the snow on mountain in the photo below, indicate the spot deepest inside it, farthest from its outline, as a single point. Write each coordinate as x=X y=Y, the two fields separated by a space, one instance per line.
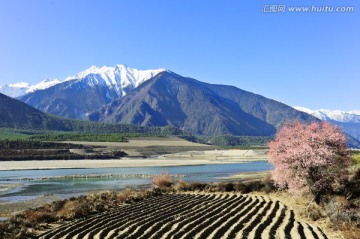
x=43 y=85
x=354 y=112
x=335 y=115
x=20 y=85
x=119 y=77
x=14 y=90
x=22 y=88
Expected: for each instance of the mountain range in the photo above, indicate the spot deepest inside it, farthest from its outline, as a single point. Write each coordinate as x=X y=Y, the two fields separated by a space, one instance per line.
x=17 y=115
x=349 y=121
x=87 y=91
x=121 y=94
x=22 y=88
x=160 y=97
x=333 y=115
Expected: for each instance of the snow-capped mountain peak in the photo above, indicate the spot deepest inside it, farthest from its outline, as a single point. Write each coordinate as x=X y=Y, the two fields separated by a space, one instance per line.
x=354 y=112
x=20 y=85
x=14 y=90
x=118 y=77
x=110 y=73
x=43 y=85
x=334 y=115
x=22 y=88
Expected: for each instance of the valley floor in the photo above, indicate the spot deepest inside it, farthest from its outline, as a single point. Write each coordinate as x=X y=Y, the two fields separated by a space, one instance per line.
x=142 y=152
x=62 y=164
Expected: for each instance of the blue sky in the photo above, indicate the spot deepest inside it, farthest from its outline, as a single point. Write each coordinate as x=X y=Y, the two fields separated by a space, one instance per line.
x=301 y=59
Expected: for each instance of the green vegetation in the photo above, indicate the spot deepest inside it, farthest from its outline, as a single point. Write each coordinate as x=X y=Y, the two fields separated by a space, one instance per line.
x=356 y=157
x=83 y=137
x=243 y=142
x=16 y=134
x=19 y=149
x=19 y=144
x=100 y=132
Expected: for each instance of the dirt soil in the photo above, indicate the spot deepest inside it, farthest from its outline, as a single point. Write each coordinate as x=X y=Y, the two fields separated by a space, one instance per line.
x=299 y=204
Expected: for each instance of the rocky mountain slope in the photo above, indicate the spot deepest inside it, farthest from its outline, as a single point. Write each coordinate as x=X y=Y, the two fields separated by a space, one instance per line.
x=15 y=114
x=199 y=108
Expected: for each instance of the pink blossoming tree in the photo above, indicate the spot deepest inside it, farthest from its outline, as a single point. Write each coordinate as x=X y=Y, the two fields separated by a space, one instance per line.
x=309 y=158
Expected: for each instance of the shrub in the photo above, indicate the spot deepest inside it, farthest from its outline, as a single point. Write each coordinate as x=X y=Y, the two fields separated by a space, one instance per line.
x=250 y=186
x=341 y=210
x=162 y=181
x=356 y=157
x=314 y=212
x=225 y=187
x=181 y=185
x=34 y=216
x=352 y=188
x=124 y=196
x=197 y=186
x=57 y=205
x=309 y=158
x=269 y=184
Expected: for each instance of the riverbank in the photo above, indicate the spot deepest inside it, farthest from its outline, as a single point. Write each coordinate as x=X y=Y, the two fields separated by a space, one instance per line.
x=177 y=159
x=248 y=176
x=10 y=208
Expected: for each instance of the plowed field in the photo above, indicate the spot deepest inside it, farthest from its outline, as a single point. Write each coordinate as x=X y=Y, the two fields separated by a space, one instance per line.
x=185 y=216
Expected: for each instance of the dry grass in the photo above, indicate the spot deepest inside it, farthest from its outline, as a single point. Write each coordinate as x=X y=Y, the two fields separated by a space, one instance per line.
x=162 y=181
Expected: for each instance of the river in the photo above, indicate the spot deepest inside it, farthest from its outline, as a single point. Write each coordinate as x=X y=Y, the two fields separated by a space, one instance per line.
x=30 y=183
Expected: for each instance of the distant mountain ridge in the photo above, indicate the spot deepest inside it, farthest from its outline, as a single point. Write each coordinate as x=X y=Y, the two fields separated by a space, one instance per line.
x=335 y=115
x=349 y=121
x=87 y=91
x=22 y=88
x=120 y=77
x=199 y=108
